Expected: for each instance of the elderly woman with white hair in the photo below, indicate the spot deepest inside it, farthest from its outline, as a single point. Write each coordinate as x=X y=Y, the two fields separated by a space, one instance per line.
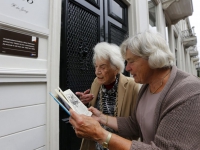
x=112 y=93
x=168 y=106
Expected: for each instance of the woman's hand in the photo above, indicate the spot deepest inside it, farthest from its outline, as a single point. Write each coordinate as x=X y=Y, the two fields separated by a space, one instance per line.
x=85 y=96
x=96 y=114
x=104 y=119
x=87 y=127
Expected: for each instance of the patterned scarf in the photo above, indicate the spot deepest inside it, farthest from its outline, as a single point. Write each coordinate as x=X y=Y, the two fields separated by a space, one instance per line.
x=107 y=100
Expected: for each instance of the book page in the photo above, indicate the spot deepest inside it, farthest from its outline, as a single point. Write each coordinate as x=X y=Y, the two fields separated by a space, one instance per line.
x=62 y=97
x=78 y=106
x=66 y=105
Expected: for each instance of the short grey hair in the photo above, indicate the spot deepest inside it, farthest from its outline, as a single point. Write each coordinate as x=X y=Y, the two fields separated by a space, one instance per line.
x=109 y=52
x=151 y=46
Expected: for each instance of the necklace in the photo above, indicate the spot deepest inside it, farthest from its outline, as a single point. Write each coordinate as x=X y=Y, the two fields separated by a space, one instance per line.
x=161 y=83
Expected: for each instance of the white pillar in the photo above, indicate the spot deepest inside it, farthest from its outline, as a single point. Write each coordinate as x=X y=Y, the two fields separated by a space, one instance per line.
x=179 y=53
x=171 y=39
x=187 y=61
x=160 y=18
x=138 y=16
x=183 y=56
x=191 y=65
x=52 y=137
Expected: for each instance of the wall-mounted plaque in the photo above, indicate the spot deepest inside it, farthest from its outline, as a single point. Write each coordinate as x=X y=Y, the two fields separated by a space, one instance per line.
x=12 y=43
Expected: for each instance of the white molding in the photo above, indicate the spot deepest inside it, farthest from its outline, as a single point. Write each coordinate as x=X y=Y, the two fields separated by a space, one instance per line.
x=15 y=23
x=22 y=75
x=195 y=59
x=22 y=31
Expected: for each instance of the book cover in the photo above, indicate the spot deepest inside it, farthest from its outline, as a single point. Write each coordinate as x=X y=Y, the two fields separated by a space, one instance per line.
x=68 y=99
x=66 y=109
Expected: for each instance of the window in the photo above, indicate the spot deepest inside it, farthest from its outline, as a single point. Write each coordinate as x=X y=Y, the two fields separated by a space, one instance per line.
x=117 y=10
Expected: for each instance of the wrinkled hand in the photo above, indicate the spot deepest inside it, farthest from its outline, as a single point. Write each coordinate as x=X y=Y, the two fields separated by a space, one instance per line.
x=85 y=96
x=86 y=127
x=96 y=114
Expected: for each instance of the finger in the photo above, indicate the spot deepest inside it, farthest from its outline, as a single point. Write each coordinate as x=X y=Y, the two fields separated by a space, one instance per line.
x=74 y=116
x=72 y=122
x=89 y=97
x=87 y=91
x=91 y=109
x=86 y=98
x=79 y=93
x=84 y=101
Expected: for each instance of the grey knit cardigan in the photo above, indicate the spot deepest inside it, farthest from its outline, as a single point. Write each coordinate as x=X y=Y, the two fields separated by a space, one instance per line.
x=176 y=119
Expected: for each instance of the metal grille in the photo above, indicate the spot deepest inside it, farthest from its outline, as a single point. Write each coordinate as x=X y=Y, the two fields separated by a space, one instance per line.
x=76 y=59
x=80 y=33
x=117 y=35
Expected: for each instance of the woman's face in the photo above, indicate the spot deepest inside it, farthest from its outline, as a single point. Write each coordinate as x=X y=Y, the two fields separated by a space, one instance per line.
x=104 y=72
x=138 y=67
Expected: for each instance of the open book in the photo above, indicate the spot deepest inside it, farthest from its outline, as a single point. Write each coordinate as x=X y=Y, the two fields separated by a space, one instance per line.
x=68 y=99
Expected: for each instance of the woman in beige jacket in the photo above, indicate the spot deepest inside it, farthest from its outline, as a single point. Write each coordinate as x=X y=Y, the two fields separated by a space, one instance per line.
x=111 y=92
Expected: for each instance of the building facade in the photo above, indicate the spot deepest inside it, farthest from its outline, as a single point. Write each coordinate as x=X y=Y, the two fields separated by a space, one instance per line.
x=65 y=32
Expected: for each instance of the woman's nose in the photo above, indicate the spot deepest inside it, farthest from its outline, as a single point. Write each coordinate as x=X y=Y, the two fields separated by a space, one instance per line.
x=97 y=71
x=127 y=68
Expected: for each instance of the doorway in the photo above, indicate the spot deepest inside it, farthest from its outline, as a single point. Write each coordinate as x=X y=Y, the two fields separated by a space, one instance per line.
x=84 y=23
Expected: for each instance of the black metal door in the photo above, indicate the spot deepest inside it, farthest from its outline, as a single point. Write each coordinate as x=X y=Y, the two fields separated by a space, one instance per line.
x=84 y=24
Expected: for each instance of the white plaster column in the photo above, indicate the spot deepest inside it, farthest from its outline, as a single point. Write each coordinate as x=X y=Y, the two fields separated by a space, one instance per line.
x=187 y=61
x=196 y=63
x=132 y=18
x=183 y=56
x=193 y=72
x=171 y=39
x=160 y=19
x=191 y=66
x=52 y=137
x=142 y=16
x=179 y=53
x=138 y=16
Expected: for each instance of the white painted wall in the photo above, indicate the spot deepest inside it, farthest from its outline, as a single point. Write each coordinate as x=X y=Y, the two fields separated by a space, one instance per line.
x=23 y=80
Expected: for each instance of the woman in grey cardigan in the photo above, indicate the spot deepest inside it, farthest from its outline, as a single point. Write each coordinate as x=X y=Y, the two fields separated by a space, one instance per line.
x=167 y=114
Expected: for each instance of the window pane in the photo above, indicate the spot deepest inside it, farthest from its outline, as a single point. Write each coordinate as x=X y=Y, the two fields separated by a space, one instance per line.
x=116 y=9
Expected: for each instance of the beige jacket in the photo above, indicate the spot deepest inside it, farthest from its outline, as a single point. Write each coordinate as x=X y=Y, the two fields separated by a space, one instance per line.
x=127 y=95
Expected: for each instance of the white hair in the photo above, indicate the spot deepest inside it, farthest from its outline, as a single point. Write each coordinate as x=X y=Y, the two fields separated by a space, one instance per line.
x=109 y=52
x=150 y=46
